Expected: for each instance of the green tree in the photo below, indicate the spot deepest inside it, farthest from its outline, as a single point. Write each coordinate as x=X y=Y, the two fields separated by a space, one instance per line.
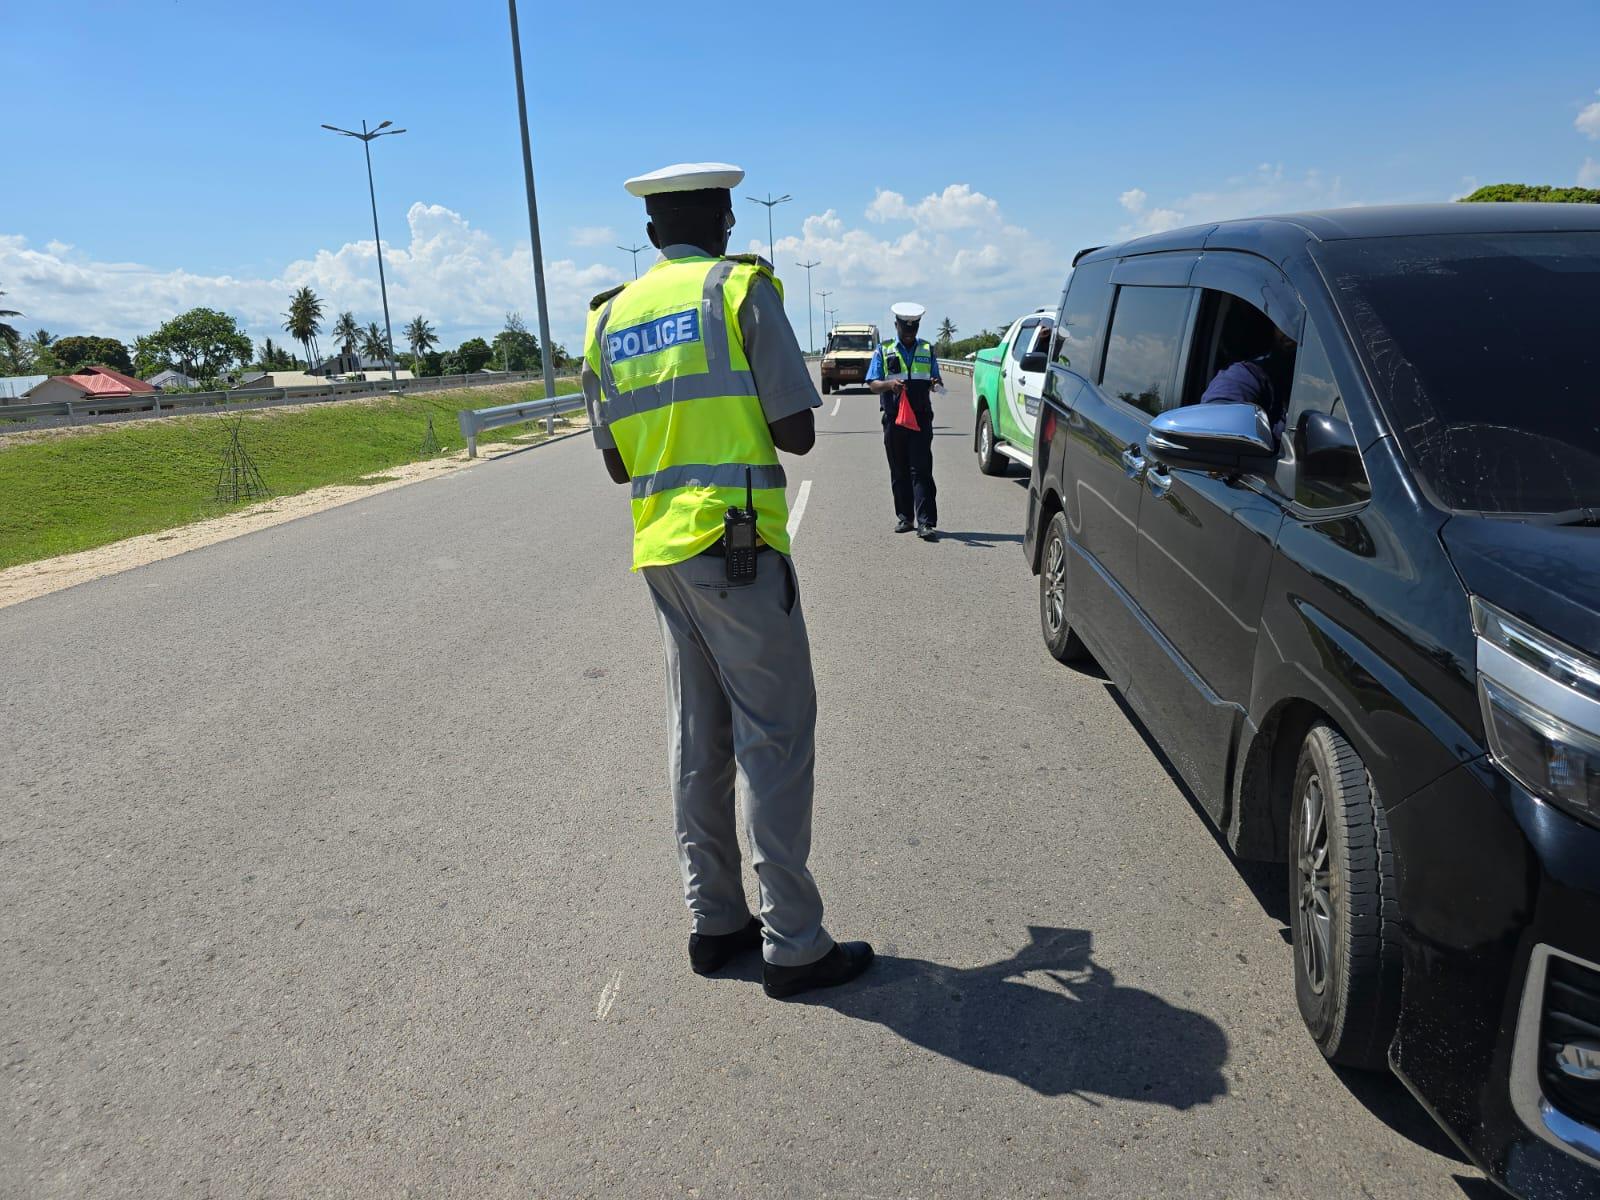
x=202 y=343
x=947 y=333
x=1505 y=193
x=276 y=358
x=422 y=337
x=72 y=353
x=347 y=332
x=514 y=348
x=468 y=357
x=303 y=321
x=374 y=344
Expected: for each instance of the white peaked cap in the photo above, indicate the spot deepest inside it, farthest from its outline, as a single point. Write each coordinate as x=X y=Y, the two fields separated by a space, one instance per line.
x=686 y=177
x=907 y=311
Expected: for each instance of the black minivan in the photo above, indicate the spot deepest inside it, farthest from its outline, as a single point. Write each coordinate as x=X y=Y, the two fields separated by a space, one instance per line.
x=1357 y=603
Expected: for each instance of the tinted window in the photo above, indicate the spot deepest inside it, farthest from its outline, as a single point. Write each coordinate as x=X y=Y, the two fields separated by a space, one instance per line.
x=1316 y=390
x=1483 y=352
x=851 y=341
x=1142 y=350
x=1083 y=312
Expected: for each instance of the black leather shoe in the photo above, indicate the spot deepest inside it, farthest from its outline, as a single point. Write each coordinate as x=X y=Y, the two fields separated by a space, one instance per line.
x=840 y=965
x=903 y=527
x=928 y=533
x=710 y=952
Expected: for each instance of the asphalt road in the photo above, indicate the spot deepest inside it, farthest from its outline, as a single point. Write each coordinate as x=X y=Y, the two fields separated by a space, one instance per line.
x=337 y=861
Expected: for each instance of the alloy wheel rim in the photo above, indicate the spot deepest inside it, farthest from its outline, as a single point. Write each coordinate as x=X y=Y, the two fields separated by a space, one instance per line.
x=985 y=441
x=1055 y=591
x=1315 y=906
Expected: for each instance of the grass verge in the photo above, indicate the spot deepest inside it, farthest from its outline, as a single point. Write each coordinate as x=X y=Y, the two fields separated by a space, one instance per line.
x=86 y=487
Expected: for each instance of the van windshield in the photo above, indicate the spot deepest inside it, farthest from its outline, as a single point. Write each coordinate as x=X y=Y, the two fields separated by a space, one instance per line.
x=851 y=341
x=1485 y=355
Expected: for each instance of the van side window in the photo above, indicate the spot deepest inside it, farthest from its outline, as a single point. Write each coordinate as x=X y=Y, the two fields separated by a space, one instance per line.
x=1083 y=314
x=1147 y=327
x=1239 y=354
x=1328 y=481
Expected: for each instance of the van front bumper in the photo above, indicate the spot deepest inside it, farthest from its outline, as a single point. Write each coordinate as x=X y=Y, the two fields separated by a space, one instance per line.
x=1500 y=896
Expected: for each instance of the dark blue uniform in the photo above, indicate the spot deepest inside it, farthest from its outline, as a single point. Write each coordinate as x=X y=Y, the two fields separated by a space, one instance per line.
x=910 y=451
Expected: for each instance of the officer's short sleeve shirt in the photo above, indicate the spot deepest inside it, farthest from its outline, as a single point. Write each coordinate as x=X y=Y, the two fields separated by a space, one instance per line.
x=783 y=381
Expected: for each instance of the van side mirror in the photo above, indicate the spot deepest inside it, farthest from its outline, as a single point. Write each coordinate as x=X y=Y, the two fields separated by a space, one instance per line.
x=1035 y=360
x=1328 y=448
x=1228 y=436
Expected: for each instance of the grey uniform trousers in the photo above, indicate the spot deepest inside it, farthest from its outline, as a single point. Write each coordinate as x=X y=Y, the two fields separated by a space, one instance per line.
x=742 y=708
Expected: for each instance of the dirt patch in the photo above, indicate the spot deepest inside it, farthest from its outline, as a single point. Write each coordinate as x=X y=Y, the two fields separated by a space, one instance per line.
x=29 y=580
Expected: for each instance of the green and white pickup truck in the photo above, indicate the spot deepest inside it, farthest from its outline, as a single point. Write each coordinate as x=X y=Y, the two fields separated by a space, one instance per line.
x=1007 y=381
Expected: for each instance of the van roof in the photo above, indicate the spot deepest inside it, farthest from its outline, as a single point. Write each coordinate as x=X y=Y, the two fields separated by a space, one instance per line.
x=1276 y=237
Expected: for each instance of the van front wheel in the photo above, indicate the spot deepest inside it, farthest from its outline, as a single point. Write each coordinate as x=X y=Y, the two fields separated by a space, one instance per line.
x=1343 y=904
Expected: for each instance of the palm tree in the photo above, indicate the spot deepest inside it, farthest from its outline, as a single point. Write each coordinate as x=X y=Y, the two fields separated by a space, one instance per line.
x=422 y=338
x=374 y=344
x=8 y=333
x=947 y=332
x=303 y=321
x=347 y=332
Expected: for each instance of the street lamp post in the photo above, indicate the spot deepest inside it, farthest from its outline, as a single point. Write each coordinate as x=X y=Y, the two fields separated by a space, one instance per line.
x=811 y=333
x=547 y=358
x=366 y=136
x=825 y=326
x=633 y=250
x=771 y=204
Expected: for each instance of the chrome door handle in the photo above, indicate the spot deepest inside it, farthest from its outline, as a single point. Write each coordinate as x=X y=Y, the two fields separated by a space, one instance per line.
x=1159 y=480
x=1132 y=461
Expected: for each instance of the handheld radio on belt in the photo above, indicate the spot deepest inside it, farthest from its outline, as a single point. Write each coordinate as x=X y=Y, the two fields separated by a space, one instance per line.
x=739 y=537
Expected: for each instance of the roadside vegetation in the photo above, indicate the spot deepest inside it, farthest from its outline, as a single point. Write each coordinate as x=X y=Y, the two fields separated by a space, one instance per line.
x=74 y=489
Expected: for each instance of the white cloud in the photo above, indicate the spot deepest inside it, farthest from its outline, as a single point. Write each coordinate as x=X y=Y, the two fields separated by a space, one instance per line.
x=1589 y=173
x=1588 y=121
x=957 y=207
x=958 y=255
x=1267 y=189
x=457 y=276
x=1133 y=199
x=593 y=235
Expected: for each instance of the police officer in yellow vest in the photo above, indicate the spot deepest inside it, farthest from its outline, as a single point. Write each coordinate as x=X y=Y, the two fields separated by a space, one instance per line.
x=905 y=369
x=694 y=382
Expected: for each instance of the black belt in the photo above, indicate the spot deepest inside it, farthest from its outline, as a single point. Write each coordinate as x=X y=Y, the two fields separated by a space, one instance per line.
x=718 y=550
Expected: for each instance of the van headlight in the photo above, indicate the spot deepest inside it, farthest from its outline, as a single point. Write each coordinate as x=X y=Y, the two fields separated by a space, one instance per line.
x=1541 y=710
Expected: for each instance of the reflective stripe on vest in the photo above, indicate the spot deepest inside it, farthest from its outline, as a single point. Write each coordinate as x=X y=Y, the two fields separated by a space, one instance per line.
x=680 y=402
x=921 y=361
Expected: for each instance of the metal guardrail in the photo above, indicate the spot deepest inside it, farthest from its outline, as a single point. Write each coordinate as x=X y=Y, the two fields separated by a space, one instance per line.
x=956 y=366
x=161 y=403
x=474 y=421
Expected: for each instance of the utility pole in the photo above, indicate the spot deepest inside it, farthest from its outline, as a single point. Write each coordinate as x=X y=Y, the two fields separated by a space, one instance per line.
x=771 y=204
x=825 y=325
x=366 y=137
x=634 y=250
x=811 y=334
x=547 y=355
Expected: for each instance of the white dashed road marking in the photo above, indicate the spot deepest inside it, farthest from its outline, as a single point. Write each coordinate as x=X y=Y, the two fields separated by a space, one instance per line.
x=837 y=400
x=799 y=509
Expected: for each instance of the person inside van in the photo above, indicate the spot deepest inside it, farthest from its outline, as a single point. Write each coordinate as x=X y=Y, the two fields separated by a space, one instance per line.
x=1261 y=379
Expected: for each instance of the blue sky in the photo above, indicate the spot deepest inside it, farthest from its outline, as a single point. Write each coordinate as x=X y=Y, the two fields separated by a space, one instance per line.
x=167 y=153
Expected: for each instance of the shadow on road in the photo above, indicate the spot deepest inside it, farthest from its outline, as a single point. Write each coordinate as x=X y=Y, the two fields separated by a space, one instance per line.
x=983 y=541
x=1050 y=1018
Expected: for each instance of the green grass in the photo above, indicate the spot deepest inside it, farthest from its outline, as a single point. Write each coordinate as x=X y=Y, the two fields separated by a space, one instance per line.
x=76 y=491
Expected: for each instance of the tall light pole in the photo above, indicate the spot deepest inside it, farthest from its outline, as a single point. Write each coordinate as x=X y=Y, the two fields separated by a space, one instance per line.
x=824 y=296
x=547 y=357
x=366 y=137
x=634 y=250
x=771 y=204
x=811 y=334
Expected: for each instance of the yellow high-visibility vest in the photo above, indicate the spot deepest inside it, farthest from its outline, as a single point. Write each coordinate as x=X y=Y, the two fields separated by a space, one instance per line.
x=681 y=404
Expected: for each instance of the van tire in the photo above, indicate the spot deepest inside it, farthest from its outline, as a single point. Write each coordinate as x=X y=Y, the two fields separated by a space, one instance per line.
x=1343 y=904
x=1054 y=618
x=990 y=460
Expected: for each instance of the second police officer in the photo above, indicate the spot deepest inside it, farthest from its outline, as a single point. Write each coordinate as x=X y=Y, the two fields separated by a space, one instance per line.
x=905 y=369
